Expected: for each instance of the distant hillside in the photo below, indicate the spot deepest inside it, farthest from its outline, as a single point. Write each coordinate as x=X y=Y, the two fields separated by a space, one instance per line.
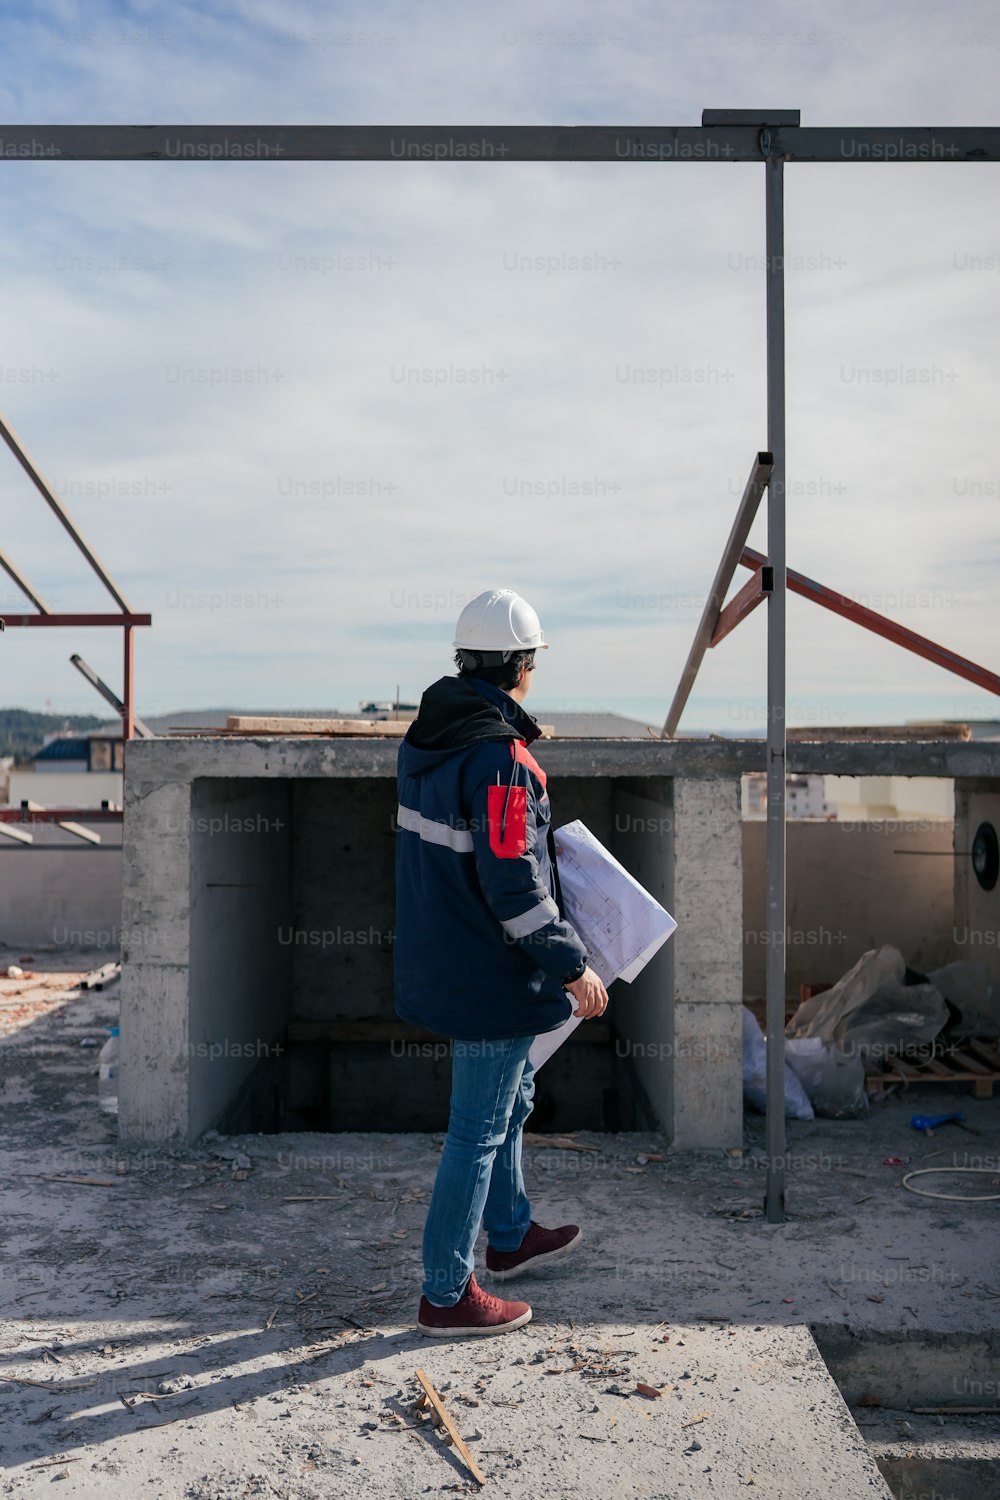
x=22 y=731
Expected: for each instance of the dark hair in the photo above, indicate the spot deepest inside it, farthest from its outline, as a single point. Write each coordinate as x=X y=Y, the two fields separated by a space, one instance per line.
x=503 y=674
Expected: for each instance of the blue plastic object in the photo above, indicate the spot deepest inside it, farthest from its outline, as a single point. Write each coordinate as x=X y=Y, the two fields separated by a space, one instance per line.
x=931 y=1122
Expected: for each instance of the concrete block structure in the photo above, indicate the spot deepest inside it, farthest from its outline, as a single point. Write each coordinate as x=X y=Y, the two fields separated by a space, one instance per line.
x=257 y=924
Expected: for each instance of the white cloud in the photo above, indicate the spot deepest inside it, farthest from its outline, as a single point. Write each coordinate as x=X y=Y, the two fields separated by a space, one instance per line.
x=213 y=379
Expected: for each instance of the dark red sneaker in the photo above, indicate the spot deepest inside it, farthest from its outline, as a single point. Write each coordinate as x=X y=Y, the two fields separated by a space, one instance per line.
x=475 y=1312
x=538 y=1248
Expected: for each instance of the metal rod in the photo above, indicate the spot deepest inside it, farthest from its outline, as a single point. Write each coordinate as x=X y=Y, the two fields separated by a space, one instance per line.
x=726 y=141
x=745 y=513
x=109 y=694
x=48 y=494
x=14 y=572
x=891 y=630
x=774 y=213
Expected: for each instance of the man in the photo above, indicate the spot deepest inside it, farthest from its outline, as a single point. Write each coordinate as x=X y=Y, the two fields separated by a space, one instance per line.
x=483 y=953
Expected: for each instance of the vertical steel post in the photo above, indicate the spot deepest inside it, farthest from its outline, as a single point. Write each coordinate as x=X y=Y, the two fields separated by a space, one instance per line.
x=128 y=692
x=774 y=1203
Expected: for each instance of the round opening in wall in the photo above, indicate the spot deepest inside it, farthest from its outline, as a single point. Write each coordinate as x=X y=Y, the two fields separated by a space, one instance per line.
x=986 y=855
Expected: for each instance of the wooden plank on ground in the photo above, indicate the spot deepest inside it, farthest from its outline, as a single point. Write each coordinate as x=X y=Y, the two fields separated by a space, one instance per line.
x=433 y=1400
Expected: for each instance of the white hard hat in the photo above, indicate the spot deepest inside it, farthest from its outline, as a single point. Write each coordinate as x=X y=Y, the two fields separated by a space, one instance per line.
x=499 y=620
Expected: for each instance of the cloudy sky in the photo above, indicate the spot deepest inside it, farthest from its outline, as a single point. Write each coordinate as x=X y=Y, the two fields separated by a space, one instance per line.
x=214 y=362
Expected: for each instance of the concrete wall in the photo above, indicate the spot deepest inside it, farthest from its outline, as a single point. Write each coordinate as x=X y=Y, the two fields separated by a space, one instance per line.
x=203 y=961
x=60 y=892
x=343 y=853
x=851 y=887
x=58 y=788
x=240 y=979
x=977 y=912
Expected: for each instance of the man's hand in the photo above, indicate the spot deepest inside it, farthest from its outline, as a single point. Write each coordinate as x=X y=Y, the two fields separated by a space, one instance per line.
x=590 y=995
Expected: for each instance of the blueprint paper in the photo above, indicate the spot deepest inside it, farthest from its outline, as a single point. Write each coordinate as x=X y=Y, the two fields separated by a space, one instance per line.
x=621 y=924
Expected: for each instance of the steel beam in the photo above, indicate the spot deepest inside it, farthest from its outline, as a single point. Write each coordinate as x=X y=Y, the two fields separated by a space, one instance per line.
x=39 y=814
x=745 y=513
x=891 y=630
x=110 y=696
x=77 y=619
x=740 y=605
x=128 y=691
x=774 y=1124
x=14 y=573
x=49 y=495
x=723 y=142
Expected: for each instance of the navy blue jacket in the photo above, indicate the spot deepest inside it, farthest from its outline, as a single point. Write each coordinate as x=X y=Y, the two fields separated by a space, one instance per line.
x=481 y=948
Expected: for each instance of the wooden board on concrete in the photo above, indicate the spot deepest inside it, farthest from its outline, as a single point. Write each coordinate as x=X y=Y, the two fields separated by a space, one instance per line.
x=254 y=724
x=824 y=732
x=257 y=724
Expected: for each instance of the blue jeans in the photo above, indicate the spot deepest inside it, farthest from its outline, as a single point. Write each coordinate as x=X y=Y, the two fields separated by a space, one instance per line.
x=479 y=1176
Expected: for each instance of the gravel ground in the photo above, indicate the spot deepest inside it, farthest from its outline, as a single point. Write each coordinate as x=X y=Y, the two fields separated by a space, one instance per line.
x=186 y=1328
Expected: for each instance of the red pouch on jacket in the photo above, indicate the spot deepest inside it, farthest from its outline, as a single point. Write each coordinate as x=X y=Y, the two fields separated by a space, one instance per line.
x=514 y=839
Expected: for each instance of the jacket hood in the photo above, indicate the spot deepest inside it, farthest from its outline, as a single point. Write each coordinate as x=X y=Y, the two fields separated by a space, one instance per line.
x=456 y=712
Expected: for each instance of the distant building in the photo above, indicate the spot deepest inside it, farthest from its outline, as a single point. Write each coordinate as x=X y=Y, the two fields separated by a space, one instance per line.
x=804 y=796
x=72 y=770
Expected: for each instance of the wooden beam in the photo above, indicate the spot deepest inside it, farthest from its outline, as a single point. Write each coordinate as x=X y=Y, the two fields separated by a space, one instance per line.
x=265 y=724
x=879 y=732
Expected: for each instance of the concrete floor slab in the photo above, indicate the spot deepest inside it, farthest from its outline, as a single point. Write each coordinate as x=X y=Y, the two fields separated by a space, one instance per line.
x=191 y=1293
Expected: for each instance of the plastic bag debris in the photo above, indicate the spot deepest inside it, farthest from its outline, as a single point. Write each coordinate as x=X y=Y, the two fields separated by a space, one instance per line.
x=840 y=1094
x=807 y=1057
x=797 y=1106
x=969 y=990
x=871 y=1011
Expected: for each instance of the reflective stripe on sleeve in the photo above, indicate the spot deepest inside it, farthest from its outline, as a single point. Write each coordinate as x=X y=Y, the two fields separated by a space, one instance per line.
x=432 y=832
x=530 y=921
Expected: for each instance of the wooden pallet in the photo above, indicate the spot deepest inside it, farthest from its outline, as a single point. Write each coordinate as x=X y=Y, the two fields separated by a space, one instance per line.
x=976 y=1062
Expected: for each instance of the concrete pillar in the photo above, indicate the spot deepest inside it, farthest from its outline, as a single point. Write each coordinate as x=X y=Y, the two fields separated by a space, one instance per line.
x=153 y=1077
x=708 y=963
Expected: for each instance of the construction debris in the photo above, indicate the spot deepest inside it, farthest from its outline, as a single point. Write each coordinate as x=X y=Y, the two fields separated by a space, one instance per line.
x=554 y=1142
x=431 y=1400
x=98 y=978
